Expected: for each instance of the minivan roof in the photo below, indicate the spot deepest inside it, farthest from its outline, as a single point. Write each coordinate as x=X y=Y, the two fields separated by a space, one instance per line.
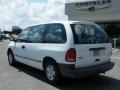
x=63 y=22
x=70 y=22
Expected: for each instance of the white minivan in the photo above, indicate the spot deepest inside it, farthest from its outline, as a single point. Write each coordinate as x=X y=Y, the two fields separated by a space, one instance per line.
x=65 y=48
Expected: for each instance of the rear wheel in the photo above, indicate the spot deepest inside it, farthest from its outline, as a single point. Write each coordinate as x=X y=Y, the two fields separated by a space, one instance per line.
x=52 y=72
x=0 y=39
x=11 y=58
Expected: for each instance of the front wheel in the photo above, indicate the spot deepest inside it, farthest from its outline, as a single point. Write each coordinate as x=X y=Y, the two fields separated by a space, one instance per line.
x=52 y=72
x=11 y=59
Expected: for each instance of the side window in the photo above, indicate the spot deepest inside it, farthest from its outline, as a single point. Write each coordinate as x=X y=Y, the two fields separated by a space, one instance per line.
x=22 y=37
x=35 y=35
x=55 y=34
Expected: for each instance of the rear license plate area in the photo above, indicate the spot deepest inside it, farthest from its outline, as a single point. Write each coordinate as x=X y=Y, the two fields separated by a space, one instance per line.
x=96 y=52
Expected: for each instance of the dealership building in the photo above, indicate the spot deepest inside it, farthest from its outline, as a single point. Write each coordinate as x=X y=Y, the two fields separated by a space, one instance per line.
x=106 y=13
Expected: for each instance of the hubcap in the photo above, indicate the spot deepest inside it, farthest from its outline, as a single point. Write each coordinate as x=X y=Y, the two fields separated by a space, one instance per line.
x=10 y=58
x=50 y=71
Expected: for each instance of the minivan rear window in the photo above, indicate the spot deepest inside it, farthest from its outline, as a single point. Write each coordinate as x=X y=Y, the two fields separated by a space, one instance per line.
x=89 y=34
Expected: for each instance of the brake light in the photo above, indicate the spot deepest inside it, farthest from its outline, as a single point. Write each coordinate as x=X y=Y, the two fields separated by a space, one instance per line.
x=70 y=55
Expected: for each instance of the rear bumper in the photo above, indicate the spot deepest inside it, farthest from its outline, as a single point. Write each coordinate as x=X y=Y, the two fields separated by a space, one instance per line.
x=70 y=71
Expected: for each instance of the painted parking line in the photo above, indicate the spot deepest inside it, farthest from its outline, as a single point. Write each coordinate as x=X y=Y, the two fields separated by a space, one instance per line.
x=116 y=57
x=115 y=50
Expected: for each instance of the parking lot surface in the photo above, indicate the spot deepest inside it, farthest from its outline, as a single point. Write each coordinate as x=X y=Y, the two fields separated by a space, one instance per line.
x=22 y=77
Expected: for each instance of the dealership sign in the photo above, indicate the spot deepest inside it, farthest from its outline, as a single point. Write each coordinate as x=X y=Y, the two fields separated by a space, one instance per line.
x=93 y=5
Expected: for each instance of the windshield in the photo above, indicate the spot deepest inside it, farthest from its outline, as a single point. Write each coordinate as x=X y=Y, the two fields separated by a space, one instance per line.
x=88 y=34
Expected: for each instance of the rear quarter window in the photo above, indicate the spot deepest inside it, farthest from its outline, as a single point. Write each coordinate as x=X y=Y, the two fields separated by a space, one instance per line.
x=55 y=33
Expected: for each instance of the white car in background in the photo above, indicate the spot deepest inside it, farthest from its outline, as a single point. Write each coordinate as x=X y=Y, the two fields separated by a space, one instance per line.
x=66 y=48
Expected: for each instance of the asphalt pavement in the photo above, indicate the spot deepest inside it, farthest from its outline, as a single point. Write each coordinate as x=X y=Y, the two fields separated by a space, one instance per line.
x=22 y=77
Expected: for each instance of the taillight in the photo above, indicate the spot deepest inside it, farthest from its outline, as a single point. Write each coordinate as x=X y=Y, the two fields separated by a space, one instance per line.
x=70 y=55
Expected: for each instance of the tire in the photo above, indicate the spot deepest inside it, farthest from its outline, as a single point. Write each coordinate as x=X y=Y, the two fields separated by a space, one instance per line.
x=52 y=72
x=11 y=58
x=0 y=39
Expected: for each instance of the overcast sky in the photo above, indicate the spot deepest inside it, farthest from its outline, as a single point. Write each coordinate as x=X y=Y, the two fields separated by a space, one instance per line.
x=29 y=12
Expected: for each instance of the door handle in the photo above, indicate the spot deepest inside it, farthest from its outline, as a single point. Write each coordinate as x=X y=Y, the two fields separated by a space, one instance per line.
x=23 y=47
